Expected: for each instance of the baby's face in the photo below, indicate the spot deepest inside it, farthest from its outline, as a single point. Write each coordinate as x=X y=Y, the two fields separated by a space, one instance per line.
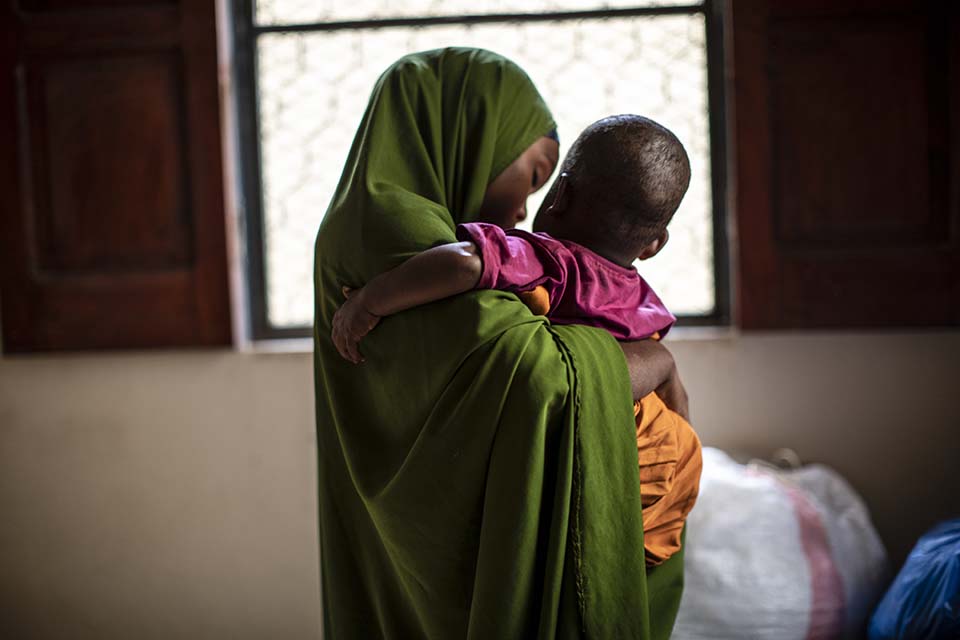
x=505 y=201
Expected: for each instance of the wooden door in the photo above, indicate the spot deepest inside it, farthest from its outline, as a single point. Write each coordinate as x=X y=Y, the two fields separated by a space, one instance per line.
x=110 y=168
x=847 y=162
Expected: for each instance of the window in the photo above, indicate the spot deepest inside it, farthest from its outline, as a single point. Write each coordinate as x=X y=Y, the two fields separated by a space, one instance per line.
x=306 y=69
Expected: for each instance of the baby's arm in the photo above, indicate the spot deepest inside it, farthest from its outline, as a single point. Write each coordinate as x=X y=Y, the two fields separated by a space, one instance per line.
x=435 y=274
x=652 y=368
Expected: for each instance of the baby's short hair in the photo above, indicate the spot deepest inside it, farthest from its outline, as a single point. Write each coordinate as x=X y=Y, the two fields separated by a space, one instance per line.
x=633 y=172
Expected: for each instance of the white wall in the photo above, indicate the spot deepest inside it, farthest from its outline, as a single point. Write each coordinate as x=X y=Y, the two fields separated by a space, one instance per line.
x=172 y=495
x=158 y=496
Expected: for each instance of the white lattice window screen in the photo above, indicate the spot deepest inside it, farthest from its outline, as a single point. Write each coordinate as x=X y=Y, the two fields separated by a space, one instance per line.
x=313 y=88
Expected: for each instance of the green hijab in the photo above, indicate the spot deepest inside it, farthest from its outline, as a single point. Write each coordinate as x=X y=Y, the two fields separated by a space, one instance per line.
x=478 y=474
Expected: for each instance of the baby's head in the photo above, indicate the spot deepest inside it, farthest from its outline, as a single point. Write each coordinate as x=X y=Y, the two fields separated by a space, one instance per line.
x=618 y=188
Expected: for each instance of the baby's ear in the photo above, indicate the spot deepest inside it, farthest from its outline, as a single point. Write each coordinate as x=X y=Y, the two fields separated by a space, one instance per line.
x=561 y=190
x=654 y=247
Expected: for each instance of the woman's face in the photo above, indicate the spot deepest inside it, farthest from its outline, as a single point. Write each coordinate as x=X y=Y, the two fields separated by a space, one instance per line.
x=505 y=201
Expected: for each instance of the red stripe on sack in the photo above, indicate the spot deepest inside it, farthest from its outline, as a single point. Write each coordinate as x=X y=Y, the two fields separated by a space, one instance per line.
x=828 y=600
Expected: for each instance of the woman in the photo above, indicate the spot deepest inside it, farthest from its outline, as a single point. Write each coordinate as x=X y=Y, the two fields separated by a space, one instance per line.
x=477 y=475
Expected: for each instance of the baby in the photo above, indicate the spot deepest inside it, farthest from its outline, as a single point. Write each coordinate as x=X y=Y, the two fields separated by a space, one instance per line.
x=619 y=187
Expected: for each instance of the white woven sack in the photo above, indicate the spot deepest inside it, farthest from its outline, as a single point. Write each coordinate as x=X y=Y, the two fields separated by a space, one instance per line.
x=777 y=555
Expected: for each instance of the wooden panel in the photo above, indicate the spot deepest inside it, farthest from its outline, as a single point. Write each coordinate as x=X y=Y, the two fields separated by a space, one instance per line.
x=847 y=163
x=837 y=289
x=110 y=190
x=112 y=233
x=827 y=164
x=74 y=5
x=99 y=31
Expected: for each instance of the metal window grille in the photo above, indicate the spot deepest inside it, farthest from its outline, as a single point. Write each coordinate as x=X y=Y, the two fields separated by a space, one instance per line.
x=305 y=68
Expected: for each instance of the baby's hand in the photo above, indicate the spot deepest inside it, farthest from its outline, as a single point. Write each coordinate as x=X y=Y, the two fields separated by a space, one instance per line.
x=351 y=322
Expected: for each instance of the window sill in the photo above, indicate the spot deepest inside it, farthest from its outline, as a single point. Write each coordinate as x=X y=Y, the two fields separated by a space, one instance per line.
x=704 y=333
x=305 y=345
x=277 y=346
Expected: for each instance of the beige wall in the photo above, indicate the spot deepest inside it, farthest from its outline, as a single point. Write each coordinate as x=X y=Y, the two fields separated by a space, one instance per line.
x=158 y=496
x=171 y=495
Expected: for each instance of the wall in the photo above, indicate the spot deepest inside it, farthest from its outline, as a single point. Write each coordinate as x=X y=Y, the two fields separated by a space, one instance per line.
x=158 y=496
x=171 y=495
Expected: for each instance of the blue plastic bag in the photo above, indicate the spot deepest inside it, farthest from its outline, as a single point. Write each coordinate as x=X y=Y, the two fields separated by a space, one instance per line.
x=924 y=599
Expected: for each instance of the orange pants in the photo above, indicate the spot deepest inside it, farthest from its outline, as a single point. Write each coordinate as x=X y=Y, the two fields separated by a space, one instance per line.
x=668 y=451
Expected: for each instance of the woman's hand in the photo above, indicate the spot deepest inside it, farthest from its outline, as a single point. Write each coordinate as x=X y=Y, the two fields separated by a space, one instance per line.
x=351 y=322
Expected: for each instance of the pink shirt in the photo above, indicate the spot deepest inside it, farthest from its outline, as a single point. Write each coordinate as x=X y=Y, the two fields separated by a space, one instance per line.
x=584 y=288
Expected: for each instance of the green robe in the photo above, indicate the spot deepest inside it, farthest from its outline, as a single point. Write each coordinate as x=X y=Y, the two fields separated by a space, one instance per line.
x=478 y=474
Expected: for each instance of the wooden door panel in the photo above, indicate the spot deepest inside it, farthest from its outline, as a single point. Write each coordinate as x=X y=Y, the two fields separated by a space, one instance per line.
x=73 y=5
x=831 y=172
x=113 y=221
x=847 y=163
x=841 y=290
x=109 y=187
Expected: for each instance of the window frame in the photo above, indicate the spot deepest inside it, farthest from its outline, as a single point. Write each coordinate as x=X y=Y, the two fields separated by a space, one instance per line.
x=249 y=162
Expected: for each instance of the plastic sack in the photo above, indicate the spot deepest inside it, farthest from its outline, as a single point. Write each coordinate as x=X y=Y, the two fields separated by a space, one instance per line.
x=777 y=555
x=924 y=599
